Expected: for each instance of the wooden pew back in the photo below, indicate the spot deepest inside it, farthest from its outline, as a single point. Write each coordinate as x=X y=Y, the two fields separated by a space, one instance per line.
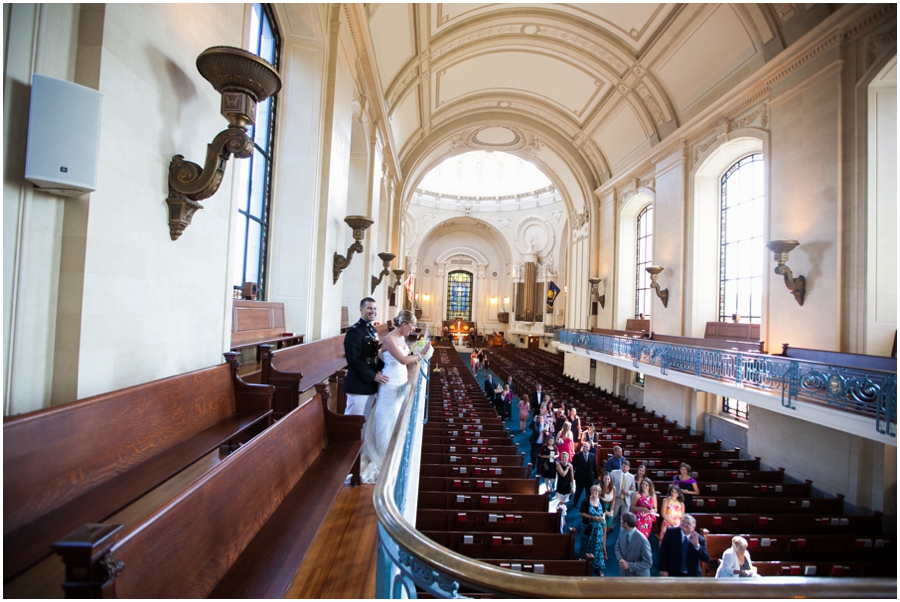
x=172 y=554
x=52 y=456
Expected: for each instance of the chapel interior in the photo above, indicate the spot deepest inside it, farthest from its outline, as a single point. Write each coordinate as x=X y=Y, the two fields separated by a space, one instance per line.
x=464 y=161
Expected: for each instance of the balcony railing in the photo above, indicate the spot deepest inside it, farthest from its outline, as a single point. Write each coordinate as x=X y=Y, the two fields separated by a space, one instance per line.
x=407 y=559
x=870 y=393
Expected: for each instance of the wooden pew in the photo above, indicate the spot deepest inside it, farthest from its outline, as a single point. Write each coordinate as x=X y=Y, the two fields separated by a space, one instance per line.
x=473 y=484
x=482 y=520
x=512 y=545
x=519 y=502
x=790 y=548
x=835 y=358
x=256 y=323
x=467 y=459
x=833 y=524
x=83 y=461
x=812 y=568
x=506 y=450
x=724 y=345
x=239 y=531
x=568 y=568
x=765 y=505
x=730 y=488
x=445 y=470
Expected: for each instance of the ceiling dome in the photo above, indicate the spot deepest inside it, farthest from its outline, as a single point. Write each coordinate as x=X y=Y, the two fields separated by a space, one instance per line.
x=480 y=174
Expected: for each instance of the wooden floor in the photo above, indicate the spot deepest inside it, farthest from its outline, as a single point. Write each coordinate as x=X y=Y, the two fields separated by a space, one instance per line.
x=341 y=562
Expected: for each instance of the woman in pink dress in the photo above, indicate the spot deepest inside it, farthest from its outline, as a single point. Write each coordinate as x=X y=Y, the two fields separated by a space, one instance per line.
x=643 y=505
x=565 y=442
x=524 y=411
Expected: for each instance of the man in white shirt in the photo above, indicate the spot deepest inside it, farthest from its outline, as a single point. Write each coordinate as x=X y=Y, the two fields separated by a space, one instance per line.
x=623 y=481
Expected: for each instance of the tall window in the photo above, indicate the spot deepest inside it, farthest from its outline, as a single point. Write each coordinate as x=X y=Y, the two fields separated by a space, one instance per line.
x=256 y=172
x=643 y=297
x=741 y=246
x=459 y=296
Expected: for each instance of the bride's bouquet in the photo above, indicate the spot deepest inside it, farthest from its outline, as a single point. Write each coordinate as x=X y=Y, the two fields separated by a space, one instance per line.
x=419 y=345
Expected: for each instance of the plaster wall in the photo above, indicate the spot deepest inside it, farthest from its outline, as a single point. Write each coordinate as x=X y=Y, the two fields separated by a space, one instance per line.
x=806 y=205
x=577 y=367
x=668 y=242
x=836 y=462
x=295 y=198
x=667 y=399
x=41 y=38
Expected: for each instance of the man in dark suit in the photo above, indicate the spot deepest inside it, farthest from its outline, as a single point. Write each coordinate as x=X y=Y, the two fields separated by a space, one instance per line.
x=682 y=550
x=489 y=386
x=361 y=346
x=538 y=430
x=537 y=399
x=585 y=464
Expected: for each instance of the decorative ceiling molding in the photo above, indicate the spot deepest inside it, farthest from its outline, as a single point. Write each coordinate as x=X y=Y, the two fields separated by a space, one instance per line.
x=604 y=55
x=476 y=255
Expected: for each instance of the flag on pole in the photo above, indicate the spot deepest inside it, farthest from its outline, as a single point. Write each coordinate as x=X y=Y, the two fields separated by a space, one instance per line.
x=552 y=292
x=408 y=284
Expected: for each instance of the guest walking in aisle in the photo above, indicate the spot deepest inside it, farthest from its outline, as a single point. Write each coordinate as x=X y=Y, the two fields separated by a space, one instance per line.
x=593 y=537
x=633 y=549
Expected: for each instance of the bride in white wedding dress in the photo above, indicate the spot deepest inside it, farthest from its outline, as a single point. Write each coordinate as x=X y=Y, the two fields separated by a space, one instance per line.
x=391 y=395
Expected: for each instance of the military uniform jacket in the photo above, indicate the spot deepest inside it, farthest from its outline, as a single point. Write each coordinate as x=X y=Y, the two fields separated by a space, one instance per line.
x=361 y=346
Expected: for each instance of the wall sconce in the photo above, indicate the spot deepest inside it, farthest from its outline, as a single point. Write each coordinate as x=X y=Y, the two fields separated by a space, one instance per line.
x=399 y=274
x=595 y=292
x=386 y=259
x=359 y=223
x=493 y=299
x=663 y=294
x=426 y=297
x=244 y=80
x=797 y=285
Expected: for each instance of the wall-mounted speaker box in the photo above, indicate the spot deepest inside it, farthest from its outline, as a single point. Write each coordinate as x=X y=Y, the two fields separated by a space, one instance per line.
x=63 y=137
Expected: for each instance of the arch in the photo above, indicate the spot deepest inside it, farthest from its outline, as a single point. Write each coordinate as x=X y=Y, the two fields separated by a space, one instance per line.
x=703 y=240
x=479 y=259
x=626 y=252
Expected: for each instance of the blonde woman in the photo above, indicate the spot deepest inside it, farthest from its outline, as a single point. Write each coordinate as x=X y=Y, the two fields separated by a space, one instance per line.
x=565 y=442
x=391 y=394
x=736 y=560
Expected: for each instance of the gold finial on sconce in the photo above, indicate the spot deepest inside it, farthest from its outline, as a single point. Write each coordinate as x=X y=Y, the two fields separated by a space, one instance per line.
x=359 y=223
x=663 y=294
x=595 y=291
x=386 y=259
x=781 y=248
x=244 y=80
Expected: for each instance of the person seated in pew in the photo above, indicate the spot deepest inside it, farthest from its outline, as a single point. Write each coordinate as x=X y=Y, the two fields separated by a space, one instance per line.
x=688 y=485
x=736 y=561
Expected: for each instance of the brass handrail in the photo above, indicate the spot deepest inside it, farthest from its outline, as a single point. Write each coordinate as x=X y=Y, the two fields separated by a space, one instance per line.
x=449 y=566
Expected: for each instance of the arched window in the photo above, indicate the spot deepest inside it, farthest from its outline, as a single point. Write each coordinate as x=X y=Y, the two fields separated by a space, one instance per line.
x=643 y=258
x=252 y=229
x=459 y=296
x=741 y=245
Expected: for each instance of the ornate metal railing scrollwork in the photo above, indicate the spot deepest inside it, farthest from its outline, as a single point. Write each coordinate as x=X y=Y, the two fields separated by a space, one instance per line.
x=869 y=393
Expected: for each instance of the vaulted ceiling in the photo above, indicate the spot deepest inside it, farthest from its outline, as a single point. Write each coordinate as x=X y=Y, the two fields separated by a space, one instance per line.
x=584 y=88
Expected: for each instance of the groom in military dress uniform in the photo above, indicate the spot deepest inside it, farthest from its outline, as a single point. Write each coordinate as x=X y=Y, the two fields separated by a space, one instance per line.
x=361 y=346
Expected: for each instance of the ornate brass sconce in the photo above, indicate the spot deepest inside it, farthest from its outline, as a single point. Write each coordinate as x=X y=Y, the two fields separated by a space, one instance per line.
x=386 y=259
x=595 y=291
x=663 y=294
x=797 y=285
x=359 y=223
x=244 y=80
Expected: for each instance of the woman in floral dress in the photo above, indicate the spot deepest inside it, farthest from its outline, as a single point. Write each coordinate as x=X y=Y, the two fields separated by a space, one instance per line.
x=593 y=537
x=643 y=505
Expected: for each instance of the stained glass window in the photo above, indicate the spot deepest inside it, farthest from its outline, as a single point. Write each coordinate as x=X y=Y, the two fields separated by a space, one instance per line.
x=741 y=246
x=643 y=299
x=459 y=296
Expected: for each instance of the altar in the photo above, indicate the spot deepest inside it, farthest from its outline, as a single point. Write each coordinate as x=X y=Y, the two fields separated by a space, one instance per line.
x=459 y=330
